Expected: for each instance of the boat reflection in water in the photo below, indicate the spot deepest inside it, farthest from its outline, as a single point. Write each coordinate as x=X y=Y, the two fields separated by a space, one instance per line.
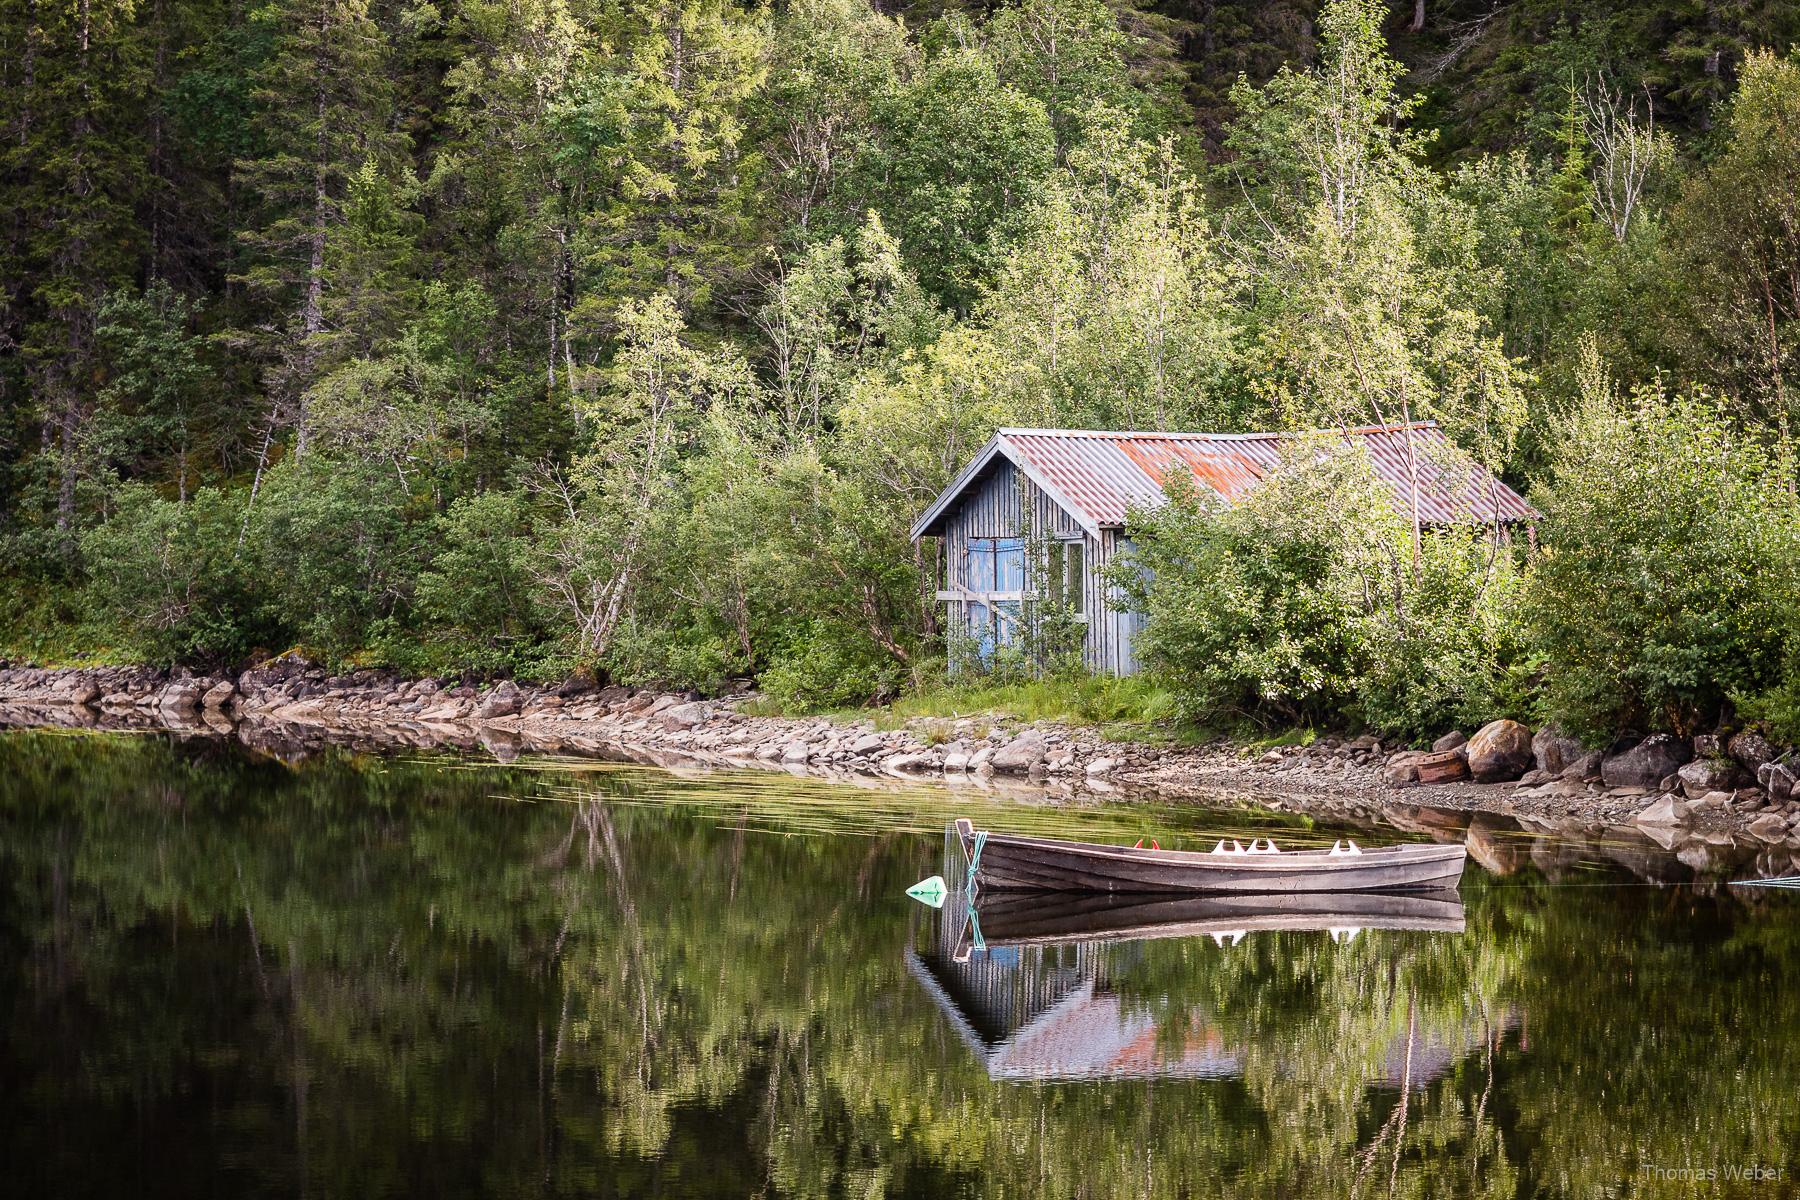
x=1028 y=981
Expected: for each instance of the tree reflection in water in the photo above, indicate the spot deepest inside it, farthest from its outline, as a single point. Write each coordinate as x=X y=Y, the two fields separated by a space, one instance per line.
x=357 y=976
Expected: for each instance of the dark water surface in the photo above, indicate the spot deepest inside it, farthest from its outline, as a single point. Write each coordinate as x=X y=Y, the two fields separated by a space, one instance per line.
x=222 y=976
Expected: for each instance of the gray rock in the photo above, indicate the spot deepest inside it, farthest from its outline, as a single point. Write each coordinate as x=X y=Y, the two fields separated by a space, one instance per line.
x=956 y=760
x=1751 y=749
x=1705 y=775
x=180 y=696
x=216 y=697
x=923 y=760
x=1554 y=750
x=1646 y=764
x=982 y=759
x=1021 y=754
x=1450 y=741
x=503 y=701
x=1777 y=779
x=1500 y=750
x=1709 y=745
x=1666 y=810
x=796 y=752
x=868 y=743
x=1587 y=767
x=1402 y=769
x=1101 y=766
x=686 y=716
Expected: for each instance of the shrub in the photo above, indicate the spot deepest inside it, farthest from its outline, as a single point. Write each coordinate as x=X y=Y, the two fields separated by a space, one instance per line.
x=169 y=576
x=1262 y=608
x=334 y=546
x=1446 y=648
x=829 y=666
x=1671 y=569
x=475 y=601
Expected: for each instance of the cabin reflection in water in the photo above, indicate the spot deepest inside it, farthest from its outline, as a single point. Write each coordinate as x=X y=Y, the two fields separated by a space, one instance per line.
x=1038 y=1002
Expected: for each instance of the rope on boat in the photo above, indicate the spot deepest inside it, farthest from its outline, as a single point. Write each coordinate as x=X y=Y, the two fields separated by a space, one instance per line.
x=975 y=866
x=1785 y=881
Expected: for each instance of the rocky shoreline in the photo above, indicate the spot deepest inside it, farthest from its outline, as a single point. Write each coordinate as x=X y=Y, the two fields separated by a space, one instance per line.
x=1699 y=801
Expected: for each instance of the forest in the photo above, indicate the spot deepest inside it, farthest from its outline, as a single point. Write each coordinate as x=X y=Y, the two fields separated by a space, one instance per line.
x=625 y=337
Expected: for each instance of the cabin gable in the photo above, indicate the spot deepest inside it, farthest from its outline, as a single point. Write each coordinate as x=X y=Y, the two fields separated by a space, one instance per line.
x=1000 y=506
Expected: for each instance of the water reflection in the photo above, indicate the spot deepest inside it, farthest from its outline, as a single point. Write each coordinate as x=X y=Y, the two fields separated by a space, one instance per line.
x=1036 y=985
x=368 y=977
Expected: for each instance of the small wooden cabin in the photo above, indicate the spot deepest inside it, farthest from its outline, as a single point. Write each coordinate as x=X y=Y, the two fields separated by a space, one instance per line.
x=1065 y=494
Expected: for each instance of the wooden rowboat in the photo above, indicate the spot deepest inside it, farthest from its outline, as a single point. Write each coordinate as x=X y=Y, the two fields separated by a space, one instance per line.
x=1012 y=863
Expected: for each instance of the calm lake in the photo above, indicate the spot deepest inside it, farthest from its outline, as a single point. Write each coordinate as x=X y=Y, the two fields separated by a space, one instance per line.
x=223 y=975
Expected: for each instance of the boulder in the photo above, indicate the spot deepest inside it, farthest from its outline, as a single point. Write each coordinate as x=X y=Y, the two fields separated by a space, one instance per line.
x=868 y=743
x=956 y=760
x=503 y=701
x=796 y=752
x=922 y=760
x=1586 y=767
x=1666 y=810
x=1705 y=775
x=1500 y=750
x=686 y=716
x=1777 y=779
x=1555 y=750
x=1450 y=741
x=1101 y=766
x=181 y=696
x=1021 y=754
x=1646 y=764
x=1751 y=749
x=1402 y=769
x=216 y=697
x=83 y=692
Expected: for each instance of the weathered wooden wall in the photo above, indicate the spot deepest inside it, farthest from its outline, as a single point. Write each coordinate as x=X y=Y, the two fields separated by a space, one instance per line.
x=995 y=506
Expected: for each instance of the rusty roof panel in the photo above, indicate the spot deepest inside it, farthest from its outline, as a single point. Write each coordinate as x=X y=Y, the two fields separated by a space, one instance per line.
x=1099 y=476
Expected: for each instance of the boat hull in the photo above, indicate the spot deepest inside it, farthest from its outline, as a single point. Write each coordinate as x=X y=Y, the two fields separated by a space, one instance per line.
x=1028 y=919
x=1027 y=864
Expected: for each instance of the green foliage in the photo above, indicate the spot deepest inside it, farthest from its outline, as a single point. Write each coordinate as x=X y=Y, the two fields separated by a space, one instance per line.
x=824 y=669
x=1128 y=707
x=167 y=576
x=1301 y=603
x=961 y=154
x=334 y=550
x=1262 y=607
x=1447 y=651
x=1671 y=566
x=477 y=600
x=630 y=335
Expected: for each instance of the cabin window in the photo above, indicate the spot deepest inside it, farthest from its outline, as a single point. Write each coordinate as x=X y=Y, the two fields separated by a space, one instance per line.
x=1067 y=576
x=994 y=565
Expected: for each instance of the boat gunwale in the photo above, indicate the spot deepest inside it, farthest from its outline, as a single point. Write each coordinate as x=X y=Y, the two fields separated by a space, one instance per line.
x=1314 y=859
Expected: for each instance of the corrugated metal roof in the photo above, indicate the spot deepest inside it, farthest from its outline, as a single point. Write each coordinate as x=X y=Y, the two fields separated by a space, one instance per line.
x=1099 y=476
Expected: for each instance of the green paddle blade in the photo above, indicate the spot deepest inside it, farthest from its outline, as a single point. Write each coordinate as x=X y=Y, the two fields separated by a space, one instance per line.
x=929 y=891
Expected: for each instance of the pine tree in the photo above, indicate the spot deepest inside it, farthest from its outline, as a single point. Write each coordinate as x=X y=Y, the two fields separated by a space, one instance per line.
x=71 y=164
x=323 y=114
